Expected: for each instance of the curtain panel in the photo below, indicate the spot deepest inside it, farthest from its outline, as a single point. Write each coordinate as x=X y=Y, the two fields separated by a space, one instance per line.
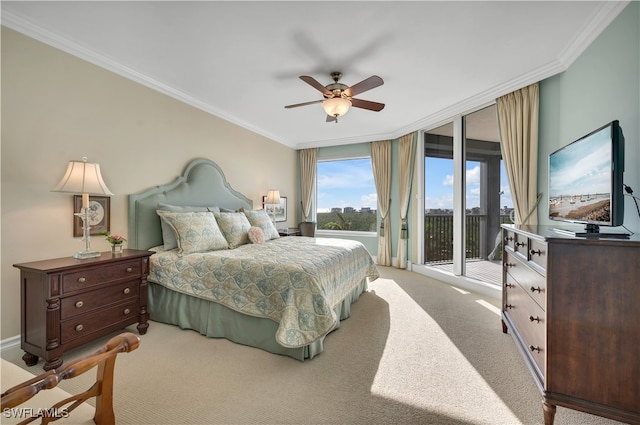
x=308 y=164
x=518 y=123
x=381 y=164
x=406 y=152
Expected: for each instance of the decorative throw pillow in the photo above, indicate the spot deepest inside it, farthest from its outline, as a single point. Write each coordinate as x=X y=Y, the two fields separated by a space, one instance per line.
x=234 y=227
x=256 y=235
x=261 y=219
x=168 y=237
x=195 y=231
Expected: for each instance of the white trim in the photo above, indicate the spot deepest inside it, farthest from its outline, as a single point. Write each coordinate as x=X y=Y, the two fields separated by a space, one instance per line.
x=10 y=343
x=346 y=233
x=601 y=19
x=463 y=282
x=16 y=23
x=459 y=195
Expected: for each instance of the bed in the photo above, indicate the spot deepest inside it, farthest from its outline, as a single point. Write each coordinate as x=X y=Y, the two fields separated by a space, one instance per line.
x=283 y=295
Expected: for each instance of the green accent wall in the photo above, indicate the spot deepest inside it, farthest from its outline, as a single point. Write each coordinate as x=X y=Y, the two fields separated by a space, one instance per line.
x=602 y=85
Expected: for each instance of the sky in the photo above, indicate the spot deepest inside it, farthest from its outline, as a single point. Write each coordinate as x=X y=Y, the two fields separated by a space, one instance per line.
x=582 y=167
x=439 y=184
x=350 y=183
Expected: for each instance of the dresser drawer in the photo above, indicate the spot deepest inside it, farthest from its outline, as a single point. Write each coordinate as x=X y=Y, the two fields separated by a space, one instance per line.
x=532 y=282
x=509 y=239
x=79 y=326
x=91 y=300
x=529 y=319
x=521 y=245
x=100 y=275
x=538 y=254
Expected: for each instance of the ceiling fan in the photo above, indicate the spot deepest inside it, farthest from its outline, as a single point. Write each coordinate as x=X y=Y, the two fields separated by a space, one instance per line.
x=338 y=98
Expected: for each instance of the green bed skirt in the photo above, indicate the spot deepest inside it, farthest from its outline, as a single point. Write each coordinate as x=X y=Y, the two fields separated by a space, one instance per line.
x=217 y=321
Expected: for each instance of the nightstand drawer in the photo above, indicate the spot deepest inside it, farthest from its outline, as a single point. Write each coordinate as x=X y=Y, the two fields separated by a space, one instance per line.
x=83 y=325
x=85 y=302
x=100 y=275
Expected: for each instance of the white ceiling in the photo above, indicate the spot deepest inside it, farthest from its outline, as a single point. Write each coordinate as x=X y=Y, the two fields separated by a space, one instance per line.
x=241 y=60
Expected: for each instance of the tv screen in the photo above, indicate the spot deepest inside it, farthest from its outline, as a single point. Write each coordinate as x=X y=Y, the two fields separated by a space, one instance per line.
x=585 y=179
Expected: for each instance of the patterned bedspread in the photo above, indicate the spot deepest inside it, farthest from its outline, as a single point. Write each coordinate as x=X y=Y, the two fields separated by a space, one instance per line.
x=295 y=281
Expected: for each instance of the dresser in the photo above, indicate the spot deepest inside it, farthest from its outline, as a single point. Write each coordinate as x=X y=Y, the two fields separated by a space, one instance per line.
x=66 y=302
x=572 y=306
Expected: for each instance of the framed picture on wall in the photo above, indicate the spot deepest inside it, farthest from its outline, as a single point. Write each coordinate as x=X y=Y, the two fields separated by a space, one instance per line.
x=99 y=211
x=280 y=210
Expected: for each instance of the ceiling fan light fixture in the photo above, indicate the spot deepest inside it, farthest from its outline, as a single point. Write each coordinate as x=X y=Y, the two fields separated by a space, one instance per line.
x=336 y=106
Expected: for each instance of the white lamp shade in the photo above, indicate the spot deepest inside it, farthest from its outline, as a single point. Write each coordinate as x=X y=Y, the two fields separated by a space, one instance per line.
x=273 y=197
x=336 y=107
x=83 y=177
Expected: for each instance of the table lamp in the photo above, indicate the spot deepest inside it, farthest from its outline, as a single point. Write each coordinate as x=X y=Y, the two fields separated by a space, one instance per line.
x=273 y=199
x=83 y=177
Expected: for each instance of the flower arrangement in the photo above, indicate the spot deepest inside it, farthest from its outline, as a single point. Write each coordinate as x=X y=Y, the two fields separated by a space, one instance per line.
x=113 y=239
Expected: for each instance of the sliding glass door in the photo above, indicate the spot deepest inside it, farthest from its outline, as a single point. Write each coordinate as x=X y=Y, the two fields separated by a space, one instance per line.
x=465 y=200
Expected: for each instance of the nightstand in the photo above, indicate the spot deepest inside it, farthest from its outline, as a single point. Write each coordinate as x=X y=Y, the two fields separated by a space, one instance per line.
x=289 y=232
x=67 y=302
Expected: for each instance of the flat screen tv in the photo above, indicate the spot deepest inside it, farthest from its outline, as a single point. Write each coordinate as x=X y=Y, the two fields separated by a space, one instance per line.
x=585 y=181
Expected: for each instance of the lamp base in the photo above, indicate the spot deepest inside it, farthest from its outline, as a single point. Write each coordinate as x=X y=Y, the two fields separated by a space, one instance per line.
x=81 y=255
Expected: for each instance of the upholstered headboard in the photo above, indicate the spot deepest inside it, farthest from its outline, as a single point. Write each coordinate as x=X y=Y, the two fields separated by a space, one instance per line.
x=202 y=184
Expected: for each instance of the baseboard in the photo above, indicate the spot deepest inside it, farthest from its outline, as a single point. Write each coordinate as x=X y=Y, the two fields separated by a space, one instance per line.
x=11 y=343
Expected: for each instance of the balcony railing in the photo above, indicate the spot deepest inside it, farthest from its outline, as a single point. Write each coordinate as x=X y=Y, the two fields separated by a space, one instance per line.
x=438 y=238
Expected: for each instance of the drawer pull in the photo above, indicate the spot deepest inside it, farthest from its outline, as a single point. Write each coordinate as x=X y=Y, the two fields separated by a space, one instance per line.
x=507 y=265
x=126 y=311
x=126 y=290
x=508 y=306
x=79 y=328
x=534 y=348
x=509 y=285
x=534 y=289
x=82 y=279
x=534 y=319
x=79 y=304
x=535 y=252
x=508 y=238
x=129 y=270
x=521 y=243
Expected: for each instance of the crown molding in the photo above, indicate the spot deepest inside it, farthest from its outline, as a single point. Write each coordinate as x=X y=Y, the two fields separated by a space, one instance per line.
x=23 y=26
x=608 y=11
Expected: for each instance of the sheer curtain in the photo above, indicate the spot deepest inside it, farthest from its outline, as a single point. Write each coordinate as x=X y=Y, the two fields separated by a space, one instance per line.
x=518 y=123
x=381 y=164
x=406 y=151
x=308 y=163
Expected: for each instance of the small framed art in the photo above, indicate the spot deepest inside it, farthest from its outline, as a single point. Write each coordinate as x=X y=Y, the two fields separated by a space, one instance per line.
x=99 y=211
x=280 y=210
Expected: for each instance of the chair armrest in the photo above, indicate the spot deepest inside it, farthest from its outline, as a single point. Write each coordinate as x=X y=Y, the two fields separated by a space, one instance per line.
x=102 y=389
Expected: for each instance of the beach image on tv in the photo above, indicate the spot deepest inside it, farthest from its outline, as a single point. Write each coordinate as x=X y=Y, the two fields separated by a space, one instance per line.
x=580 y=180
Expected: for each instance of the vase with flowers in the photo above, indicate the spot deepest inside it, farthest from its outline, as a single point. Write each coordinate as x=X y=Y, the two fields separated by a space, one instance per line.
x=116 y=241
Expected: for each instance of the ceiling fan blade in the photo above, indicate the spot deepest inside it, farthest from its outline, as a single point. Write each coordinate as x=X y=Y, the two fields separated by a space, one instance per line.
x=315 y=84
x=331 y=118
x=364 y=85
x=304 y=104
x=367 y=104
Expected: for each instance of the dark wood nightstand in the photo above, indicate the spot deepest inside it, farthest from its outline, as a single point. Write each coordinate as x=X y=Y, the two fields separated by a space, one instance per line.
x=289 y=232
x=67 y=302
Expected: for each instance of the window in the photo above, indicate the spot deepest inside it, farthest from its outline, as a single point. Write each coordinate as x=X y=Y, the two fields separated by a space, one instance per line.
x=346 y=195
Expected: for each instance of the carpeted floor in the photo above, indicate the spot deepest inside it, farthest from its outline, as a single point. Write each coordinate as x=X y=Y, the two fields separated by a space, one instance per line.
x=415 y=351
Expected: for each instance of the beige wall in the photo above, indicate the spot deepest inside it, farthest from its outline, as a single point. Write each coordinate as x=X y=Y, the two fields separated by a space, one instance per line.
x=56 y=107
